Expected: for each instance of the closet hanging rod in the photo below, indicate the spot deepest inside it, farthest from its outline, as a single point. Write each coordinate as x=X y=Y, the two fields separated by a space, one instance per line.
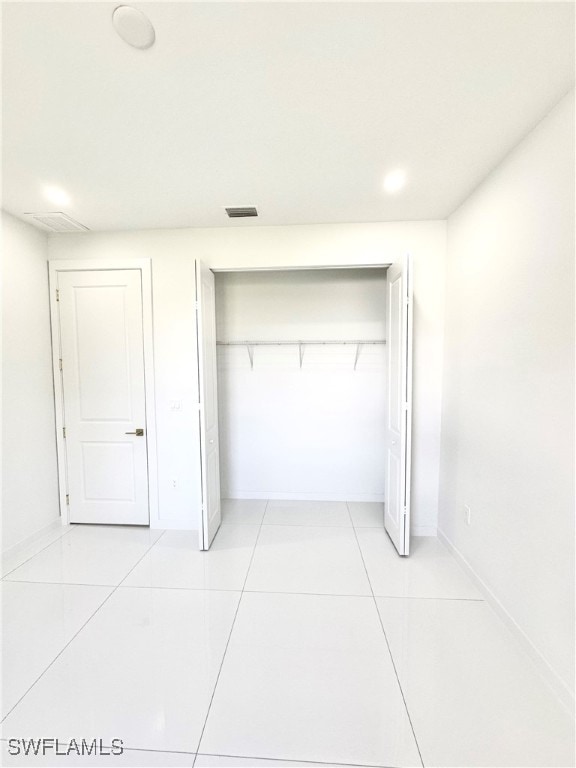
x=294 y=343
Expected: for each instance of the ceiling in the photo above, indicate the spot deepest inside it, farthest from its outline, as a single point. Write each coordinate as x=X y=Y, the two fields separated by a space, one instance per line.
x=297 y=108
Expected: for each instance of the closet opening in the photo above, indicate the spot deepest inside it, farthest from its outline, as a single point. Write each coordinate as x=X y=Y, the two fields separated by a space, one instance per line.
x=311 y=391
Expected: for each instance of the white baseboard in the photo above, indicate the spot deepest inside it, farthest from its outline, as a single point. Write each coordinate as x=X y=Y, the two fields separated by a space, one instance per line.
x=31 y=545
x=558 y=686
x=423 y=530
x=173 y=525
x=376 y=497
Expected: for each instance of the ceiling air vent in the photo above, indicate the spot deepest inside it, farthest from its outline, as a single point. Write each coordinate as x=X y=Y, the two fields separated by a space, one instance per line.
x=242 y=213
x=56 y=222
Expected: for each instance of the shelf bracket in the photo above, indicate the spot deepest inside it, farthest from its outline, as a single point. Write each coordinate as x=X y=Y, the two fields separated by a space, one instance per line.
x=358 y=347
x=250 y=350
x=301 y=353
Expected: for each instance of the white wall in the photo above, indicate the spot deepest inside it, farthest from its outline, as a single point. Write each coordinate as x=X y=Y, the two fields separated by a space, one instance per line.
x=508 y=415
x=310 y=432
x=172 y=253
x=29 y=474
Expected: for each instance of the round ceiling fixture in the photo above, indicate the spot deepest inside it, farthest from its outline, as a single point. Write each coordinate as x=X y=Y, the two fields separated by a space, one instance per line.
x=134 y=27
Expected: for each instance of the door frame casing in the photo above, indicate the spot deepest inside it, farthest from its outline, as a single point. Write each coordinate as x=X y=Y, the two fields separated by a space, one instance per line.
x=405 y=347
x=98 y=265
x=205 y=535
x=320 y=268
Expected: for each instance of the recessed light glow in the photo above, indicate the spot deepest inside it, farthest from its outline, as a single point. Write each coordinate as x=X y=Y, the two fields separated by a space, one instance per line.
x=394 y=181
x=57 y=196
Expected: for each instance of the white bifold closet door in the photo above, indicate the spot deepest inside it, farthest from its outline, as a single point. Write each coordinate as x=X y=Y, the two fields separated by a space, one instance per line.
x=208 y=406
x=399 y=412
x=104 y=403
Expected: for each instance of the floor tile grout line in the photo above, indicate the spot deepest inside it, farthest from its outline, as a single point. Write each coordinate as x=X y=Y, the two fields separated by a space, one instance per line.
x=72 y=528
x=388 y=645
x=64 y=742
x=249 y=591
x=296 y=760
x=236 y=524
x=255 y=545
x=261 y=524
x=367 y=595
x=351 y=594
x=75 y=635
x=230 y=635
x=419 y=597
x=140 y=559
x=60 y=583
x=307 y=525
x=151 y=547
x=159 y=751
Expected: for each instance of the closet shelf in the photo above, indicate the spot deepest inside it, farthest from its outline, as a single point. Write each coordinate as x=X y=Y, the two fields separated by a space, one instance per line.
x=358 y=343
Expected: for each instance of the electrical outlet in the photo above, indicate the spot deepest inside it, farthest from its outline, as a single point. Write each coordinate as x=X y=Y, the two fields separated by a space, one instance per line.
x=468 y=514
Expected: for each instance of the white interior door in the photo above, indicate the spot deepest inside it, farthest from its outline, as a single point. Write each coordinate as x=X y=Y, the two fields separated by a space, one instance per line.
x=207 y=377
x=104 y=404
x=399 y=416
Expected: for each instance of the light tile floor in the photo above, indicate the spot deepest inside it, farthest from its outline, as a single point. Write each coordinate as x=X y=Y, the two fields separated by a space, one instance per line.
x=299 y=639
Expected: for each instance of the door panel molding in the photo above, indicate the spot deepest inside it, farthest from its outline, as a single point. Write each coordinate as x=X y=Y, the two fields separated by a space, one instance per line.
x=144 y=266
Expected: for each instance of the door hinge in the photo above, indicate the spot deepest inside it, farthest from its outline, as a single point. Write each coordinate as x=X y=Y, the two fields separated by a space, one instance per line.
x=57 y=294
x=405 y=512
x=64 y=431
x=67 y=499
x=60 y=363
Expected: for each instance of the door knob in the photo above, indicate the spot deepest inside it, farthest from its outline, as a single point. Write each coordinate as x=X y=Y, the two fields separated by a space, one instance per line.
x=138 y=433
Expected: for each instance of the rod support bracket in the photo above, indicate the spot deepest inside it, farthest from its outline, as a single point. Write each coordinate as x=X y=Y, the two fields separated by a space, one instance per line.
x=250 y=350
